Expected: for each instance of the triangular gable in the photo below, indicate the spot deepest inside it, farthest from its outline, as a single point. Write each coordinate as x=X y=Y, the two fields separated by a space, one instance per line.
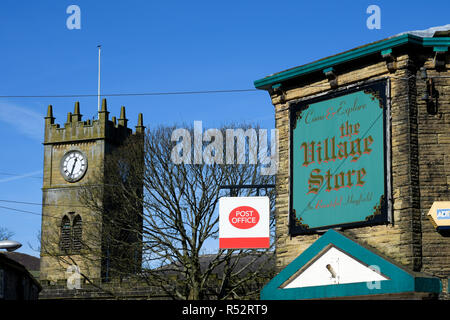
x=335 y=266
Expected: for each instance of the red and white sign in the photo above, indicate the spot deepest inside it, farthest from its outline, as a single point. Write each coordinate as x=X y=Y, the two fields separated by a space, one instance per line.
x=244 y=222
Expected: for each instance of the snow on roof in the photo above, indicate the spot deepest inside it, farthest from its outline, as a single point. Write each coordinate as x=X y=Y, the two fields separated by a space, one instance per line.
x=426 y=33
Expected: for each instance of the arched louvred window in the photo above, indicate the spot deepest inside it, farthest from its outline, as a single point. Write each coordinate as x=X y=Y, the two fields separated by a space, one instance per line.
x=64 y=242
x=77 y=230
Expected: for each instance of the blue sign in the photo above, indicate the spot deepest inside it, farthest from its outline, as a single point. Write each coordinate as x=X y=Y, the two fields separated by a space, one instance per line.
x=443 y=214
x=338 y=161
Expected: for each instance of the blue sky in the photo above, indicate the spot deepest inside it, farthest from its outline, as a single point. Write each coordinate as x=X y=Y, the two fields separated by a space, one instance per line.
x=161 y=46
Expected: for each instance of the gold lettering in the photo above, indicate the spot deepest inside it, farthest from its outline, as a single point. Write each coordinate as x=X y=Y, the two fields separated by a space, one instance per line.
x=315 y=181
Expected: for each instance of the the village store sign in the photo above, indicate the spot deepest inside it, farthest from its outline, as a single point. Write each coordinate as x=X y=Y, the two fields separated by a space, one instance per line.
x=338 y=160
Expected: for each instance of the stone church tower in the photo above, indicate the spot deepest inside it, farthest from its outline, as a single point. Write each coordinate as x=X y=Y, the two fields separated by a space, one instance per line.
x=74 y=158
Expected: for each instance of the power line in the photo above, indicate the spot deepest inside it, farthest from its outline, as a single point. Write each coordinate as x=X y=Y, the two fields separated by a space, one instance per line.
x=21 y=211
x=44 y=204
x=58 y=217
x=19 y=175
x=134 y=94
x=164 y=93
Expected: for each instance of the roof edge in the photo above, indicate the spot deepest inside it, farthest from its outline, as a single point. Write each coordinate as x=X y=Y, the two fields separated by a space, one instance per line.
x=19 y=267
x=401 y=280
x=356 y=53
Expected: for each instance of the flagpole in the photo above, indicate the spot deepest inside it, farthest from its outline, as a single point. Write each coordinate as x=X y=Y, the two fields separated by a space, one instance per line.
x=98 y=92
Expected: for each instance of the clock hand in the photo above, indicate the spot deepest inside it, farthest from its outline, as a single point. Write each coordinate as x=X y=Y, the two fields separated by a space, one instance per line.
x=71 y=173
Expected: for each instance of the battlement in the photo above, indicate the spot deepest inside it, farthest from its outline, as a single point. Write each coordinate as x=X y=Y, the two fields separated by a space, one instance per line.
x=75 y=129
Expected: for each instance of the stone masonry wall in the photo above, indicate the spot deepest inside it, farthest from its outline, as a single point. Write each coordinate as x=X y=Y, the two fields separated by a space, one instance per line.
x=434 y=170
x=410 y=240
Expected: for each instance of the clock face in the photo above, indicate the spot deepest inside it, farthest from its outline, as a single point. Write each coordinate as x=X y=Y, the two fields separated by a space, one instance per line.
x=73 y=166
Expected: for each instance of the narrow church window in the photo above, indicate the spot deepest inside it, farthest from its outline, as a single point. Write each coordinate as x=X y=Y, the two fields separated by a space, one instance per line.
x=65 y=234
x=77 y=233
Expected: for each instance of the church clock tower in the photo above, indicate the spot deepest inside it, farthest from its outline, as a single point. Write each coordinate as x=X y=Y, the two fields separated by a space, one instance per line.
x=74 y=158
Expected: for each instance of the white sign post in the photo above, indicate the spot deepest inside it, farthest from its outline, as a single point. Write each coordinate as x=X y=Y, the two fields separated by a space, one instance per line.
x=244 y=222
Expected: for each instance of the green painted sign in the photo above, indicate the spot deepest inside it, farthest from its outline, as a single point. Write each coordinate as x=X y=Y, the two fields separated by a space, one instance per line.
x=338 y=160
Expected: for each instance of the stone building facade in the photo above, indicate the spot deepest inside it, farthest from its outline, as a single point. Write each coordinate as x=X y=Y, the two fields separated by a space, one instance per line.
x=417 y=72
x=74 y=158
x=16 y=282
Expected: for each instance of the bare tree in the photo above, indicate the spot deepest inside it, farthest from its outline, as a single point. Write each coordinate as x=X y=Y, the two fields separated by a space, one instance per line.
x=158 y=218
x=5 y=234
